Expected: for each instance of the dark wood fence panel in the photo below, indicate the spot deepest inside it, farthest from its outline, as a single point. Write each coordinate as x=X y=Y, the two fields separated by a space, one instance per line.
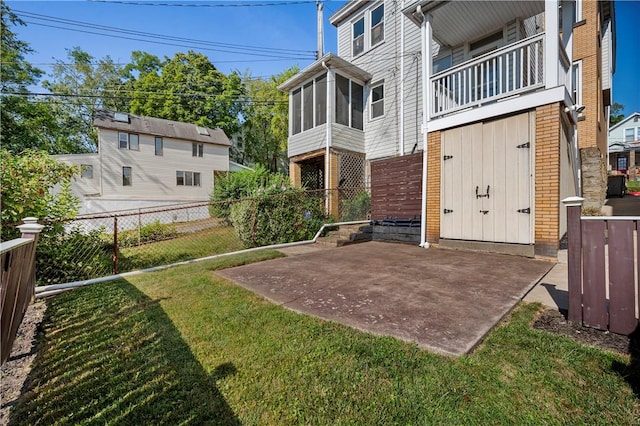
x=621 y=294
x=594 y=299
x=16 y=292
x=603 y=281
x=396 y=187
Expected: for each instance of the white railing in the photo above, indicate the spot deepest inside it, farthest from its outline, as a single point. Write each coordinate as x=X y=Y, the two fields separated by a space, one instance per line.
x=513 y=69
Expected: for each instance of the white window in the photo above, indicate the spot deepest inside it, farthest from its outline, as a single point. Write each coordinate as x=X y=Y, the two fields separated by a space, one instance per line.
x=126 y=176
x=629 y=134
x=87 y=171
x=184 y=178
x=377 y=100
x=377 y=25
x=129 y=141
x=197 y=149
x=358 y=37
x=159 y=146
x=576 y=82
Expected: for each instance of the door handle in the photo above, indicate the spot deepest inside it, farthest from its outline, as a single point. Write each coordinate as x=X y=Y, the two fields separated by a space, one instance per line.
x=483 y=195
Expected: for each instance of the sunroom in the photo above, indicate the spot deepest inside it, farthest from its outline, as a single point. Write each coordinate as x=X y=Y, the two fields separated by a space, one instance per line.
x=326 y=118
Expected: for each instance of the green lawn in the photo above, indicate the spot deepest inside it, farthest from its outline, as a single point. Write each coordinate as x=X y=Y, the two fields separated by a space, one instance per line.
x=203 y=243
x=183 y=346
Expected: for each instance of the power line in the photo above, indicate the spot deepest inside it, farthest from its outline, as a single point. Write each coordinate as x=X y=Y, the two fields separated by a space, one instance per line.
x=223 y=47
x=230 y=4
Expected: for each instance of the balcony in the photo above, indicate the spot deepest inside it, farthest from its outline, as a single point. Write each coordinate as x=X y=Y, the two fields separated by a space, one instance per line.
x=509 y=71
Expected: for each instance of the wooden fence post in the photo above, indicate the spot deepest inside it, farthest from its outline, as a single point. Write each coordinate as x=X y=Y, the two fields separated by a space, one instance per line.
x=574 y=257
x=31 y=229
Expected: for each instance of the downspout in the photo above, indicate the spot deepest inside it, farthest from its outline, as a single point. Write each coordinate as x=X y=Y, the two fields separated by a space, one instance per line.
x=401 y=130
x=327 y=169
x=425 y=35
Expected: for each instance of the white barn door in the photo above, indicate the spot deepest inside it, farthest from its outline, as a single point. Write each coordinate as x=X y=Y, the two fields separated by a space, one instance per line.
x=487 y=183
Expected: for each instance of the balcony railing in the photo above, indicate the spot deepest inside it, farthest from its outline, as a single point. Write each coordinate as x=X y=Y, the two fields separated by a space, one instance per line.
x=505 y=72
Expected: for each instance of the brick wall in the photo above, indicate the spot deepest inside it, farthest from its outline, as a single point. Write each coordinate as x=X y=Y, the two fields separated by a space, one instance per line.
x=592 y=131
x=434 y=165
x=547 y=179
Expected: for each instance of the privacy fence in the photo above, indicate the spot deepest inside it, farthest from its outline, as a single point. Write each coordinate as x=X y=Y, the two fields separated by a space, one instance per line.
x=603 y=259
x=99 y=245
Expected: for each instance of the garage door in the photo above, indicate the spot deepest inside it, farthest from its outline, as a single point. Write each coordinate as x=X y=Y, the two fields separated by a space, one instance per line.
x=487 y=182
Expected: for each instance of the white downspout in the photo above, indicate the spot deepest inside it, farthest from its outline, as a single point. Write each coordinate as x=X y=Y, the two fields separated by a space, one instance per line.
x=401 y=130
x=329 y=120
x=425 y=35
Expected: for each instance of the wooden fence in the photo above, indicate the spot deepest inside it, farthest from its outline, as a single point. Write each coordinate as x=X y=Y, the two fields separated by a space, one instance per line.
x=603 y=260
x=396 y=187
x=17 y=282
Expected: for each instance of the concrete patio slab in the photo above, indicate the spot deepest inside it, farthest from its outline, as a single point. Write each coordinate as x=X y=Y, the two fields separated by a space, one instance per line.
x=443 y=300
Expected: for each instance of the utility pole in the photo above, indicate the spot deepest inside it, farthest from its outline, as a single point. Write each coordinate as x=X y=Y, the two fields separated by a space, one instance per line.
x=320 y=51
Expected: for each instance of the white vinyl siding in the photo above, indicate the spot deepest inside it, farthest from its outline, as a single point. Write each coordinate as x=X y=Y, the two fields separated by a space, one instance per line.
x=154 y=177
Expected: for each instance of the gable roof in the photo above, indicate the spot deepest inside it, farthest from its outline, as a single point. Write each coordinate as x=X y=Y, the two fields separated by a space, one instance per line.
x=621 y=123
x=159 y=127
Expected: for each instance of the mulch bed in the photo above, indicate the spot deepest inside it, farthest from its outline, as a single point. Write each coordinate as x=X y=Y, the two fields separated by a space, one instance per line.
x=555 y=322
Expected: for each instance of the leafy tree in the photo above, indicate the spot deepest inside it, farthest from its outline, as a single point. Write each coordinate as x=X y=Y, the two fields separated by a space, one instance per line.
x=186 y=88
x=27 y=188
x=24 y=121
x=265 y=128
x=87 y=85
x=615 y=113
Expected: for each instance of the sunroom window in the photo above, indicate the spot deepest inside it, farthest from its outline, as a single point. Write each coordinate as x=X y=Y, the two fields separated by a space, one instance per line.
x=349 y=102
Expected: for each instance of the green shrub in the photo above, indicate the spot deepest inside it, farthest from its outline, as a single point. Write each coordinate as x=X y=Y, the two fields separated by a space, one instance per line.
x=149 y=233
x=356 y=209
x=71 y=255
x=277 y=215
x=633 y=185
x=239 y=185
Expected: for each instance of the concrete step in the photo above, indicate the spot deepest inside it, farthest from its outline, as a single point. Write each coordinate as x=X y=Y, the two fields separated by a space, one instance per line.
x=344 y=235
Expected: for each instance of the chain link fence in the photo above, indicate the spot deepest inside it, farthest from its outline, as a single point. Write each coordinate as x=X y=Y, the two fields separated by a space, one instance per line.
x=94 y=246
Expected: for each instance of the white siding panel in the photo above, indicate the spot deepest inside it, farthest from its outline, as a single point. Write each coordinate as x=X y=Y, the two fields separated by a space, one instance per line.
x=607 y=61
x=81 y=187
x=347 y=138
x=311 y=140
x=154 y=177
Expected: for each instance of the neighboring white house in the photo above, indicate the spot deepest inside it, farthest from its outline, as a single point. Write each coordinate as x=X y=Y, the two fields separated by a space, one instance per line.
x=491 y=92
x=144 y=161
x=624 y=144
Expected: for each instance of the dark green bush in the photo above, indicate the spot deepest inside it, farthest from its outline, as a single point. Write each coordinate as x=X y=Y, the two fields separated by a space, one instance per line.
x=149 y=233
x=277 y=216
x=239 y=185
x=71 y=255
x=356 y=209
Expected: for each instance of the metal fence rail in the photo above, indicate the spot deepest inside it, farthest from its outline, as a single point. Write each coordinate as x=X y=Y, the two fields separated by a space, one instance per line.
x=99 y=245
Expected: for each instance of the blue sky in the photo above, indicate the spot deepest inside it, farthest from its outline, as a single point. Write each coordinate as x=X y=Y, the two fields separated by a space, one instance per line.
x=291 y=27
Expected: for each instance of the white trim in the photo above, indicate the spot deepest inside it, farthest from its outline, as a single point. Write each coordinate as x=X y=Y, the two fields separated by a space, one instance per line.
x=577 y=65
x=508 y=106
x=374 y=86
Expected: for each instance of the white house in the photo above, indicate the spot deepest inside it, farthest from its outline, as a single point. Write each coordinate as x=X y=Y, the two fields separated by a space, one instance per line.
x=624 y=143
x=145 y=161
x=502 y=102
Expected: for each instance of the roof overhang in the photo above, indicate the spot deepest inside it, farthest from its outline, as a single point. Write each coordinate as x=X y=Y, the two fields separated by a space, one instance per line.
x=346 y=11
x=459 y=21
x=330 y=60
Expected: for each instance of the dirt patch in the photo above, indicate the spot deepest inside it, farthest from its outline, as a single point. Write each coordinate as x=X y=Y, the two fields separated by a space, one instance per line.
x=555 y=322
x=13 y=373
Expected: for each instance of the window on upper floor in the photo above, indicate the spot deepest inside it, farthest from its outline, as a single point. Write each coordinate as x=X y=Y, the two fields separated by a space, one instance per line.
x=87 y=171
x=358 y=37
x=309 y=105
x=377 y=100
x=349 y=102
x=159 y=146
x=377 y=25
x=127 y=176
x=632 y=134
x=576 y=82
x=197 y=149
x=128 y=141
